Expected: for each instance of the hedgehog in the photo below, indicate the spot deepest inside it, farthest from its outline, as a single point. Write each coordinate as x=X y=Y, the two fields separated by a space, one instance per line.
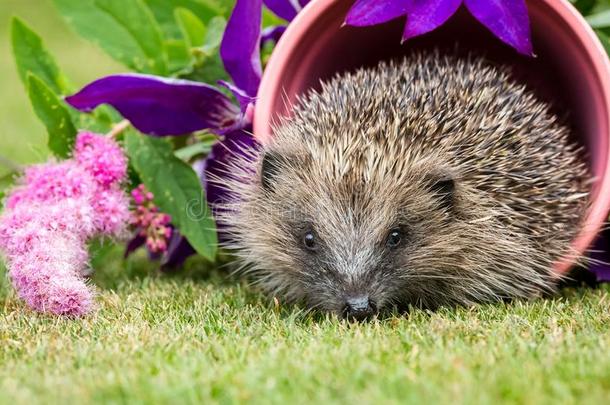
x=432 y=181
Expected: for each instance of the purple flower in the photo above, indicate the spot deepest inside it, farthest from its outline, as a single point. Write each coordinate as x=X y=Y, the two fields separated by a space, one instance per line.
x=161 y=106
x=506 y=19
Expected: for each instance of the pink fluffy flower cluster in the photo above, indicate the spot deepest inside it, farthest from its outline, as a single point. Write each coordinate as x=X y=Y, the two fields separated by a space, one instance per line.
x=51 y=215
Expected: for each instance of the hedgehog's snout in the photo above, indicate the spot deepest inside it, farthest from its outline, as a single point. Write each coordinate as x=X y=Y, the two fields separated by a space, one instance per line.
x=359 y=308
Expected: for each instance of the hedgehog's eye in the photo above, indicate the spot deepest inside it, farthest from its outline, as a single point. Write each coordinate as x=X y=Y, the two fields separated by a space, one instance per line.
x=394 y=238
x=310 y=241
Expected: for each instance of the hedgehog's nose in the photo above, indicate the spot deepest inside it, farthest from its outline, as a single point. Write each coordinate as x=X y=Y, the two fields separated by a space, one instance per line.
x=359 y=308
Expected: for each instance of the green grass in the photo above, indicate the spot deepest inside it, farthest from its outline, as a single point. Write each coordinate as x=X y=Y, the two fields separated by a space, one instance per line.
x=200 y=336
x=197 y=337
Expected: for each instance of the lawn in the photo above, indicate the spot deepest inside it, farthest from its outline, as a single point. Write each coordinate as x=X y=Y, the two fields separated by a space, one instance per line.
x=201 y=335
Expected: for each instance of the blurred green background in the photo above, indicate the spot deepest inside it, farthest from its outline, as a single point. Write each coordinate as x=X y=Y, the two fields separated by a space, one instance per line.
x=22 y=136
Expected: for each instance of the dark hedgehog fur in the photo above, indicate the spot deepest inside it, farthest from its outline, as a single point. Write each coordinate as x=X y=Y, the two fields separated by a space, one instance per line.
x=432 y=181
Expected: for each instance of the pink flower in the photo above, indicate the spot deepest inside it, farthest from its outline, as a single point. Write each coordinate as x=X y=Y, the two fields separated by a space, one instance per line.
x=51 y=182
x=50 y=216
x=112 y=212
x=48 y=274
x=70 y=296
x=29 y=224
x=102 y=157
x=153 y=226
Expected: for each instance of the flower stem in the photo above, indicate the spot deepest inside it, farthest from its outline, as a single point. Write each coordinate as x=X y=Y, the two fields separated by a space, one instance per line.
x=117 y=129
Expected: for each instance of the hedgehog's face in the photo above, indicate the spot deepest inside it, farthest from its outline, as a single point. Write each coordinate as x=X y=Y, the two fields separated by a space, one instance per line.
x=348 y=246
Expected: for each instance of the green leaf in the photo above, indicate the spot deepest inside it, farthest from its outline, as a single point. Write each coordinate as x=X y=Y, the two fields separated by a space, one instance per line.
x=601 y=5
x=203 y=9
x=138 y=20
x=178 y=56
x=200 y=148
x=97 y=26
x=584 y=6
x=213 y=35
x=266 y=52
x=191 y=27
x=210 y=70
x=177 y=190
x=31 y=56
x=209 y=67
x=54 y=115
x=271 y=19
x=599 y=20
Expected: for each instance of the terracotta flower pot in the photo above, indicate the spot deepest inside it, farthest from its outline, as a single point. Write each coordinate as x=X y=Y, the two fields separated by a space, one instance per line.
x=571 y=71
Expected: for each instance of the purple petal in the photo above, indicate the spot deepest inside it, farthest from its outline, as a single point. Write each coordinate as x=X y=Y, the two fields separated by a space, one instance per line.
x=160 y=106
x=426 y=15
x=153 y=256
x=136 y=242
x=273 y=33
x=507 y=20
x=238 y=142
x=601 y=271
x=371 y=12
x=600 y=265
x=241 y=96
x=286 y=9
x=240 y=47
x=178 y=250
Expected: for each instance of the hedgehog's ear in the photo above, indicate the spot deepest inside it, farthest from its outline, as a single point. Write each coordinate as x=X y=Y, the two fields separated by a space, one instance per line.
x=443 y=187
x=270 y=168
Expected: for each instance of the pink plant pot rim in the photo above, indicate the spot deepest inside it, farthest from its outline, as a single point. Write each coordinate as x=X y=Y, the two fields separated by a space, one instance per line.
x=271 y=87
